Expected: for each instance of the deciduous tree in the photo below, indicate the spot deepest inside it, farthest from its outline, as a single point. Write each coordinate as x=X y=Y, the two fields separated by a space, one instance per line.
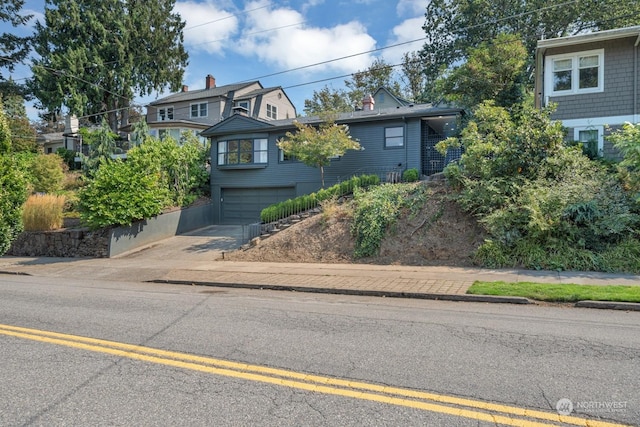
x=328 y=100
x=454 y=26
x=493 y=71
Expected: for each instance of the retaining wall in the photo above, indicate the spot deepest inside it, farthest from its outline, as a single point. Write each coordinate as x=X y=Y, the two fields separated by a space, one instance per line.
x=109 y=242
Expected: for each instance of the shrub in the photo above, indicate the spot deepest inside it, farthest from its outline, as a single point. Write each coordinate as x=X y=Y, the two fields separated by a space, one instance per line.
x=121 y=193
x=48 y=173
x=43 y=212
x=376 y=210
x=303 y=203
x=410 y=175
x=13 y=193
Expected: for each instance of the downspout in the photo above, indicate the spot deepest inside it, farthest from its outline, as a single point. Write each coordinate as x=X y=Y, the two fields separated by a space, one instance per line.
x=406 y=144
x=635 y=80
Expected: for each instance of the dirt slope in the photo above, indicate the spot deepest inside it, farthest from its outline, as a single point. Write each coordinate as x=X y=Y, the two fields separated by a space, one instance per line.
x=440 y=234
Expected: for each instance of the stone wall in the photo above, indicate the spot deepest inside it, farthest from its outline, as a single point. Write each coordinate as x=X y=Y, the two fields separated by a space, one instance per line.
x=62 y=243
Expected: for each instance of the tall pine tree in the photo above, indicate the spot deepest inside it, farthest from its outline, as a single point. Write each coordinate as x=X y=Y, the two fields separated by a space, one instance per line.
x=13 y=48
x=96 y=55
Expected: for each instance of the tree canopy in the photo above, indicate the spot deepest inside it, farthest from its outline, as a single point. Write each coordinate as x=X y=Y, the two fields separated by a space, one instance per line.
x=453 y=26
x=96 y=55
x=23 y=135
x=494 y=71
x=13 y=48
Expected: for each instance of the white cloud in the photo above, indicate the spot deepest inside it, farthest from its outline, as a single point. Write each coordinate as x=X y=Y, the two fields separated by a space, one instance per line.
x=208 y=28
x=407 y=31
x=411 y=7
x=297 y=46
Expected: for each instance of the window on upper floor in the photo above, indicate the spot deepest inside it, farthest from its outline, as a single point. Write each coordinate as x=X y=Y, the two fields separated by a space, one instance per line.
x=165 y=113
x=199 y=110
x=569 y=74
x=394 y=137
x=243 y=104
x=272 y=111
x=242 y=152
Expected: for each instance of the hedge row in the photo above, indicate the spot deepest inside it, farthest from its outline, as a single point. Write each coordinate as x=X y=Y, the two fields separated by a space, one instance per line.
x=310 y=201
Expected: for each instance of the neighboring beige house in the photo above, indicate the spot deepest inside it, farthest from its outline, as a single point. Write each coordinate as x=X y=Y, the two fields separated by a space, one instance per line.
x=197 y=110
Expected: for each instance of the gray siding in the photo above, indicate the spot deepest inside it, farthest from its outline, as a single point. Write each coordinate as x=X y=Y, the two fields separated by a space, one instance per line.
x=617 y=98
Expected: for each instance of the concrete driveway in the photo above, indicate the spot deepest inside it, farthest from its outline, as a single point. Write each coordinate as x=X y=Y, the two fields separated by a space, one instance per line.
x=204 y=244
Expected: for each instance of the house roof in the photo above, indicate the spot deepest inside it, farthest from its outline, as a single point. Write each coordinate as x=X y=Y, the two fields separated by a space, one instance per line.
x=617 y=33
x=192 y=95
x=411 y=110
x=255 y=93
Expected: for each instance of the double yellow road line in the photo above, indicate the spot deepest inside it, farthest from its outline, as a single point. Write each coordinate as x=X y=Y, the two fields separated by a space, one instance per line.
x=443 y=404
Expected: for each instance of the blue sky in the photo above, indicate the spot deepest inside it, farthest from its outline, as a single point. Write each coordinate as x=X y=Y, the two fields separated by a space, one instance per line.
x=238 y=40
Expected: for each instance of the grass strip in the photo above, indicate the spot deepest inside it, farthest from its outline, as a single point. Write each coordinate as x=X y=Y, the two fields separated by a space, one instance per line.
x=557 y=292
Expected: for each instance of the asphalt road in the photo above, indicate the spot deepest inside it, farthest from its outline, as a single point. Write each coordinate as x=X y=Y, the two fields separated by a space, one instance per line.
x=236 y=357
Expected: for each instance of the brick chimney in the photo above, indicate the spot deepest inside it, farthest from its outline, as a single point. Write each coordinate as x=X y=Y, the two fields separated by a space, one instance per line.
x=210 y=82
x=368 y=102
x=185 y=88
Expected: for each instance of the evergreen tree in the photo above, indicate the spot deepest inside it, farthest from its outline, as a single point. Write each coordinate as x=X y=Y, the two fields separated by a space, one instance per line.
x=96 y=55
x=13 y=48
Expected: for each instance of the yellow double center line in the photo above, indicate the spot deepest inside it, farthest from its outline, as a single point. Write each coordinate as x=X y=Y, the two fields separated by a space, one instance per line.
x=450 y=405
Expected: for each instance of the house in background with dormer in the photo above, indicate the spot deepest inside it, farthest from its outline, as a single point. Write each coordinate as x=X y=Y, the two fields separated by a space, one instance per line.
x=197 y=110
x=594 y=81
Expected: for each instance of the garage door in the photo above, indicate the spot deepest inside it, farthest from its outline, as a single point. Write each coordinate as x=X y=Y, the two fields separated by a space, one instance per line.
x=243 y=205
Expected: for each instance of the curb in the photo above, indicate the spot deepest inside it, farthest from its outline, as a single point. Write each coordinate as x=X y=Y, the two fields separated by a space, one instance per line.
x=609 y=305
x=337 y=291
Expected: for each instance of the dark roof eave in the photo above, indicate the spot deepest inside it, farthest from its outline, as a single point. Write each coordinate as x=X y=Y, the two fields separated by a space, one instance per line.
x=288 y=125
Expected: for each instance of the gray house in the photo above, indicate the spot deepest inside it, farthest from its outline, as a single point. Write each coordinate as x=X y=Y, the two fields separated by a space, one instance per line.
x=594 y=81
x=196 y=110
x=249 y=172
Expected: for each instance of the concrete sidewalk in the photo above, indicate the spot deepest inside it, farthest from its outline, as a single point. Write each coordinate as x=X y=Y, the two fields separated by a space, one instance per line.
x=198 y=258
x=447 y=283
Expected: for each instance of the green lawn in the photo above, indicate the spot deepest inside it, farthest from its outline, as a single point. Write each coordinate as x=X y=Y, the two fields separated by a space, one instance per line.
x=558 y=292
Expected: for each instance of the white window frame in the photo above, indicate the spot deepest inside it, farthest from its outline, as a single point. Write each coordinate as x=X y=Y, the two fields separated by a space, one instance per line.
x=397 y=139
x=199 y=112
x=272 y=112
x=575 y=73
x=243 y=104
x=599 y=128
x=163 y=113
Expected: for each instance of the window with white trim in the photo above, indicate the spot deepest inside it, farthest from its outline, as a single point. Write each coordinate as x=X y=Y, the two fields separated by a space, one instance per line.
x=242 y=151
x=394 y=137
x=272 y=112
x=569 y=74
x=165 y=113
x=592 y=139
x=199 y=110
x=243 y=104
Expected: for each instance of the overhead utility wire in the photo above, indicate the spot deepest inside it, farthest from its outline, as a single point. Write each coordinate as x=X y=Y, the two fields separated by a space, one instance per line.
x=386 y=47
x=495 y=21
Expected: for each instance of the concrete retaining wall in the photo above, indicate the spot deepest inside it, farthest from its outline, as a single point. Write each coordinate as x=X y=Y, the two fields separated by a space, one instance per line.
x=81 y=242
x=124 y=239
